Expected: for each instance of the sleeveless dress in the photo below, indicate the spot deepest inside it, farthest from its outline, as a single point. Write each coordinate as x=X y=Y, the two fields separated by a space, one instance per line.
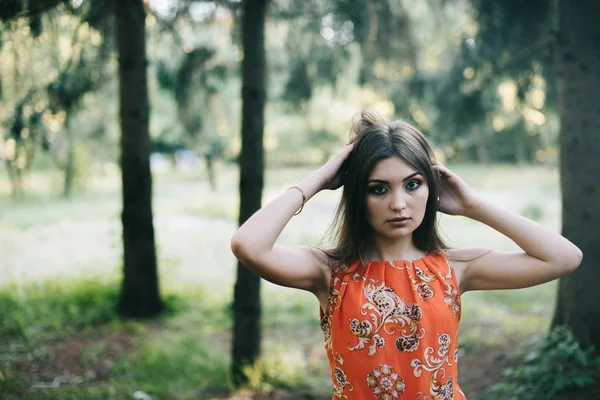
x=391 y=330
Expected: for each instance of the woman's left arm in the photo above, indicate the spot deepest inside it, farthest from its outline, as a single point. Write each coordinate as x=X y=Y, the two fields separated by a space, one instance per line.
x=545 y=255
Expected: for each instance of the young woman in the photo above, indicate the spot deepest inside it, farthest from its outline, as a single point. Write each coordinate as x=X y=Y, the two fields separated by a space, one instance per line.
x=390 y=288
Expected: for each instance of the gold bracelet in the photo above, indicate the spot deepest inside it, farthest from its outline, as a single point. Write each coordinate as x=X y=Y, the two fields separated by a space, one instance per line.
x=303 y=198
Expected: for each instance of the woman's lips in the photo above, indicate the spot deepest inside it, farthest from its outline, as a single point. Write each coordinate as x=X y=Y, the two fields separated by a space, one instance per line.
x=398 y=222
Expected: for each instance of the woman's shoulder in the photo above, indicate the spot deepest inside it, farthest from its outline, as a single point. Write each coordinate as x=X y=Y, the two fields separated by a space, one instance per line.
x=459 y=260
x=465 y=254
x=330 y=262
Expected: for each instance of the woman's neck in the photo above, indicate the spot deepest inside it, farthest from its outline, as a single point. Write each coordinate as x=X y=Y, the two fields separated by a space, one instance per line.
x=398 y=249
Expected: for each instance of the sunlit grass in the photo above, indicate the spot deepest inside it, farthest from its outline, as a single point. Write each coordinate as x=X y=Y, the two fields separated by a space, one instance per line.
x=38 y=310
x=177 y=359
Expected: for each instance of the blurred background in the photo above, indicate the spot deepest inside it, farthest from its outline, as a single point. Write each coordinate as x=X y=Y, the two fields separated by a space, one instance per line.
x=136 y=135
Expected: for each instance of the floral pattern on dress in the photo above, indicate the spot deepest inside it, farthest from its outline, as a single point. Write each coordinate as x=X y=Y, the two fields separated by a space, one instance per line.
x=399 y=340
x=452 y=299
x=335 y=301
x=401 y=265
x=340 y=381
x=326 y=328
x=422 y=284
x=434 y=363
x=387 y=312
x=455 y=355
x=386 y=383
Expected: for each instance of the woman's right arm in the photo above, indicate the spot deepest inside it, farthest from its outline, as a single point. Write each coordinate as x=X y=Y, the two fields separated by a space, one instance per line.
x=300 y=267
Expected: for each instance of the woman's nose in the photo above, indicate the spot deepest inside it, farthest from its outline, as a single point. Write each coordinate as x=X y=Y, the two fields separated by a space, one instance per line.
x=398 y=202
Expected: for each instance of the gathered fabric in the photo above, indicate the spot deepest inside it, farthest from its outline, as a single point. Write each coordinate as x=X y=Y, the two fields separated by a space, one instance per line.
x=391 y=330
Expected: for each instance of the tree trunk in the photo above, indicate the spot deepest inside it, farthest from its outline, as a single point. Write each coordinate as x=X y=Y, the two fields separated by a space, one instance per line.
x=246 y=300
x=140 y=296
x=210 y=169
x=69 y=162
x=16 y=179
x=69 y=171
x=578 y=62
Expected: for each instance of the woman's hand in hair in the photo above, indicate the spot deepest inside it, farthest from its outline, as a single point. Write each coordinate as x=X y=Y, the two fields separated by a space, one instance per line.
x=456 y=198
x=334 y=170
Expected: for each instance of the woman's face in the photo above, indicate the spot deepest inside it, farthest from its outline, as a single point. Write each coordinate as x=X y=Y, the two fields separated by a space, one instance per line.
x=396 y=198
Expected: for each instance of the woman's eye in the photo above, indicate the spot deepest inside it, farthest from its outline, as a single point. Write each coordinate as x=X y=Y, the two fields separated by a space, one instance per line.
x=378 y=189
x=412 y=185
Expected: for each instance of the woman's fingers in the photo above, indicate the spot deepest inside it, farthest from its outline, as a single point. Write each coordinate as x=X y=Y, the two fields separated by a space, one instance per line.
x=442 y=169
x=332 y=171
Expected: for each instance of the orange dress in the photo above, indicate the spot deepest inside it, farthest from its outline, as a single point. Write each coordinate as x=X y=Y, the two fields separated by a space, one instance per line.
x=391 y=330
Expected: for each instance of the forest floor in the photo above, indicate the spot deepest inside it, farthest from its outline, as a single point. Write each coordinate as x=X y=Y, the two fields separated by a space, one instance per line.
x=59 y=280
x=87 y=358
x=67 y=364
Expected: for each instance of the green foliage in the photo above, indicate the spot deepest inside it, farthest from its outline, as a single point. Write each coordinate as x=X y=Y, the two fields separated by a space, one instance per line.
x=177 y=363
x=17 y=388
x=281 y=369
x=165 y=77
x=35 y=24
x=438 y=64
x=295 y=312
x=57 y=66
x=355 y=11
x=193 y=64
x=49 y=308
x=10 y=9
x=298 y=88
x=13 y=388
x=97 y=13
x=546 y=366
x=81 y=169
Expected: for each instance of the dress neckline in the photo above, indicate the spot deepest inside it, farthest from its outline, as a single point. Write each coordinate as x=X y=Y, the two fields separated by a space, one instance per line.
x=402 y=260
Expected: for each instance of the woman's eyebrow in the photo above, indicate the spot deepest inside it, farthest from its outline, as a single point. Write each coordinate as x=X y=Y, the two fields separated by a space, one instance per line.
x=386 y=182
x=411 y=176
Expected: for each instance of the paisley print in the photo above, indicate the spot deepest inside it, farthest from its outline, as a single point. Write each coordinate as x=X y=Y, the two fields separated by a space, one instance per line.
x=422 y=283
x=340 y=381
x=436 y=364
x=452 y=299
x=387 y=312
x=391 y=330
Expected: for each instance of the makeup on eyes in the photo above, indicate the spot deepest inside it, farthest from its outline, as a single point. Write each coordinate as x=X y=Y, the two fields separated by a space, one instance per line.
x=418 y=181
x=415 y=176
x=378 y=187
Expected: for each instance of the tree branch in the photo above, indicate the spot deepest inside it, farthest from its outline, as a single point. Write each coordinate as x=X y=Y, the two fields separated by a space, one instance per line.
x=518 y=56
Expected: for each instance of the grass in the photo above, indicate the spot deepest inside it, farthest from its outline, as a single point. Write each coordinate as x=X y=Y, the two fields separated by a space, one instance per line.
x=60 y=271
x=181 y=356
x=39 y=310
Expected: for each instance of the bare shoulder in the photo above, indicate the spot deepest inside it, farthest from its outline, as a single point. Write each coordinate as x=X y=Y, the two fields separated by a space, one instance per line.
x=324 y=263
x=465 y=255
x=460 y=259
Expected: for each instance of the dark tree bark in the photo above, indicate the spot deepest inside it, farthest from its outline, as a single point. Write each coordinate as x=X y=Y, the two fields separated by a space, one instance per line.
x=246 y=300
x=140 y=296
x=210 y=169
x=578 y=62
x=69 y=165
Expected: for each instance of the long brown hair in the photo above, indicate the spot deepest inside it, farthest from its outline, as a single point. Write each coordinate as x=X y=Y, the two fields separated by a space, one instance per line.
x=374 y=140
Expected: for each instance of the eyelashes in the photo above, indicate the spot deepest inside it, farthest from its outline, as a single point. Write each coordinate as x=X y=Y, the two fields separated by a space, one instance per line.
x=380 y=190
x=413 y=184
